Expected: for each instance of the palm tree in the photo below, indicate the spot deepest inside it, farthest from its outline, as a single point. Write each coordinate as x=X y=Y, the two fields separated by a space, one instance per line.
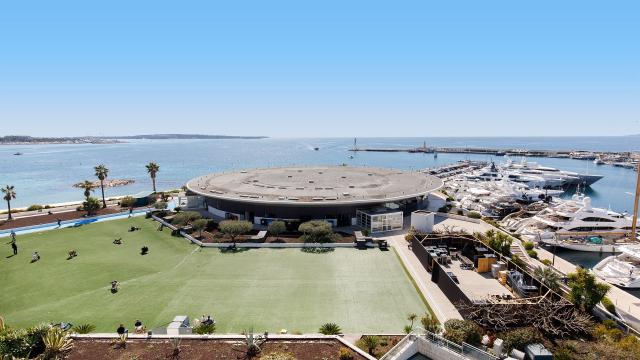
x=412 y=317
x=88 y=188
x=548 y=277
x=101 y=173
x=9 y=194
x=152 y=169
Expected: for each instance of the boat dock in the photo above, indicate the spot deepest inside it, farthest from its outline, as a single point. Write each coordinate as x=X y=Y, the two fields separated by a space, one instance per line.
x=463 y=166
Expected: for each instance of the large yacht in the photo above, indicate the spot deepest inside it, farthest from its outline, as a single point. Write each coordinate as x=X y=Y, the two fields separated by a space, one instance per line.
x=569 y=219
x=553 y=176
x=621 y=270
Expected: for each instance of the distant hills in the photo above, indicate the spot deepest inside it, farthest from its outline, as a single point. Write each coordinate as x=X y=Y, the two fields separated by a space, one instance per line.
x=184 y=136
x=26 y=140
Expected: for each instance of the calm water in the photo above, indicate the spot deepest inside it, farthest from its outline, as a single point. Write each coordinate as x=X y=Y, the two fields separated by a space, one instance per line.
x=46 y=173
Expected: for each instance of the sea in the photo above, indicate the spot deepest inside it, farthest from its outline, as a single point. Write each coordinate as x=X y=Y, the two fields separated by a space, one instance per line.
x=44 y=174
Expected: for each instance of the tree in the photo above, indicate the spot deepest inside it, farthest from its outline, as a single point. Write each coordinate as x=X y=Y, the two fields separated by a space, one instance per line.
x=9 y=194
x=330 y=329
x=91 y=205
x=316 y=231
x=102 y=172
x=586 y=292
x=235 y=228
x=153 y=169
x=88 y=188
x=548 y=277
x=277 y=227
x=199 y=225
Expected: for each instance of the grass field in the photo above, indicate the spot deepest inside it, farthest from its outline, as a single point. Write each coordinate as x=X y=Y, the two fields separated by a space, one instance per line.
x=265 y=289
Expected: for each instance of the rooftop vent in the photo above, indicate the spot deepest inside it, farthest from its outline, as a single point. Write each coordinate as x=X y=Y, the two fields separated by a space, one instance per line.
x=299 y=188
x=289 y=176
x=328 y=188
x=243 y=172
x=331 y=198
x=281 y=198
x=346 y=194
x=293 y=198
x=310 y=181
x=317 y=199
x=351 y=186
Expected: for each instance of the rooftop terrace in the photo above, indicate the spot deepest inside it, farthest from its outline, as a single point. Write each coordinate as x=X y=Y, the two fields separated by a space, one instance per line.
x=315 y=185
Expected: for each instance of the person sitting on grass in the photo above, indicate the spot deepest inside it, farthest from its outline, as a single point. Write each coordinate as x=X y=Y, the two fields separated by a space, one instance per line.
x=35 y=257
x=133 y=228
x=144 y=250
x=208 y=321
x=139 y=327
x=114 y=286
x=118 y=241
x=72 y=254
x=121 y=330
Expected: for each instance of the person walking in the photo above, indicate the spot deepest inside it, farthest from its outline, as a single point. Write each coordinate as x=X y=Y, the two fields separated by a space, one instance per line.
x=14 y=246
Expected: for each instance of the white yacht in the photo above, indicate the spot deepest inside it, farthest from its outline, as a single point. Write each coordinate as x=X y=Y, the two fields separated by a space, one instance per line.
x=589 y=243
x=552 y=175
x=570 y=218
x=621 y=270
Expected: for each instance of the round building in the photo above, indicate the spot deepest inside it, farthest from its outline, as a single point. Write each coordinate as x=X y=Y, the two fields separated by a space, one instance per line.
x=373 y=198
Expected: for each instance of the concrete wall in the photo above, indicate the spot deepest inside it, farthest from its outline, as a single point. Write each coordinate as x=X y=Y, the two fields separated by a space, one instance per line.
x=423 y=221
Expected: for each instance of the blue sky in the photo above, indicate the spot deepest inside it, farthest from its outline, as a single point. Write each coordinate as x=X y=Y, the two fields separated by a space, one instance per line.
x=320 y=68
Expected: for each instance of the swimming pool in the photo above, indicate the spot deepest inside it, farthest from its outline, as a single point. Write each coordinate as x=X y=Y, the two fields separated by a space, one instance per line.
x=71 y=223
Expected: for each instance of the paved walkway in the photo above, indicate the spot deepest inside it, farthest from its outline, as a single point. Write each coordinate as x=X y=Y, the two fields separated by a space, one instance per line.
x=441 y=306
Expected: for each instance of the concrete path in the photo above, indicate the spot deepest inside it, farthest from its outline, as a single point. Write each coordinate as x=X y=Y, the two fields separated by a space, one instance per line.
x=441 y=306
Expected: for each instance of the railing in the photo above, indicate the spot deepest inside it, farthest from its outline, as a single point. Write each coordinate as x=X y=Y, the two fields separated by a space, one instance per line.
x=464 y=351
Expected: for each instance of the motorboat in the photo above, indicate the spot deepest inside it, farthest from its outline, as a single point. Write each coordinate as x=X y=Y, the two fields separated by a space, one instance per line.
x=592 y=243
x=621 y=270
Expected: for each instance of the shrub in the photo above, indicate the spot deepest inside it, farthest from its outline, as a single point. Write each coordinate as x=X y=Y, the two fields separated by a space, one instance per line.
x=278 y=356
x=345 y=354
x=21 y=343
x=15 y=343
x=34 y=207
x=319 y=231
x=160 y=205
x=56 y=343
x=177 y=209
x=515 y=259
x=519 y=338
x=91 y=205
x=564 y=352
x=330 y=329
x=84 y=328
x=546 y=262
x=528 y=245
x=205 y=329
x=430 y=323
x=368 y=343
x=444 y=209
x=235 y=228
x=127 y=202
x=474 y=215
x=606 y=302
x=460 y=212
x=185 y=217
x=532 y=253
x=460 y=331
x=47 y=206
x=277 y=227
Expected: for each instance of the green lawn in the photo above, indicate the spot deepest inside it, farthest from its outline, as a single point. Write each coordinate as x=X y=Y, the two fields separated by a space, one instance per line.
x=267 y=289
